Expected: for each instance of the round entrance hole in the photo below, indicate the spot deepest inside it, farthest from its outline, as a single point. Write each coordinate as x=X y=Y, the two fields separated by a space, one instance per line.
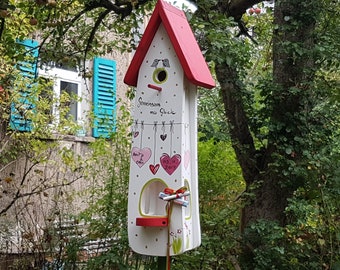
x=160 y=75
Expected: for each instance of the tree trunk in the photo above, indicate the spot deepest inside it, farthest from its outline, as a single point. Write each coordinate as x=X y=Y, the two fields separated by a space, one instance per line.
x=242 y=139
x=292 y=72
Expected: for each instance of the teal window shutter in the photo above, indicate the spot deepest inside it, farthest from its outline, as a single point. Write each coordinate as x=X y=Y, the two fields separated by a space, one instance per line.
x=104 y=97
x=23 y=102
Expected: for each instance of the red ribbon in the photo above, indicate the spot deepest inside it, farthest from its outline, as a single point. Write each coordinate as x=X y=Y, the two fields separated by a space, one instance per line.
x=171 y=191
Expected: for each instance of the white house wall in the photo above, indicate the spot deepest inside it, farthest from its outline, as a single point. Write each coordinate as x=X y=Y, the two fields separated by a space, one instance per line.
x=43 y=204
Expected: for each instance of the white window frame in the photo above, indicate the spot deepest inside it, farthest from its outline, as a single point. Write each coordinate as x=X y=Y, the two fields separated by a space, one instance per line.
x=57 y=75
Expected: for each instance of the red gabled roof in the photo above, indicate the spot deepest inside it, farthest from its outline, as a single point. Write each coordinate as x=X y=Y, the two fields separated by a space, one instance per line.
x=183 y=40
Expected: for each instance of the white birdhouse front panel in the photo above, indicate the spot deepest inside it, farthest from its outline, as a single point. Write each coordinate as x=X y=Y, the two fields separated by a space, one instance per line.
x=163 y=217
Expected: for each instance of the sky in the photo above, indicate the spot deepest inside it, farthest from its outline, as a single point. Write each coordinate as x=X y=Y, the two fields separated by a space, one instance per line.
x=180 y=3
x=192 y=7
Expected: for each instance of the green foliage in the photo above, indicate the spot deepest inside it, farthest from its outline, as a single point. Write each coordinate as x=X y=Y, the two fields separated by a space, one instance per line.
x=310 y=241
x=221 y=45
x=211 y=118
x=219 y=172
x=107 y=200
x=67 y=31
x=220 y=184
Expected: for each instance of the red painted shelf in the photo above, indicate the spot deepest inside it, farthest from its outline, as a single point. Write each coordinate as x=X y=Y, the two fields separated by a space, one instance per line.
x=152 y=221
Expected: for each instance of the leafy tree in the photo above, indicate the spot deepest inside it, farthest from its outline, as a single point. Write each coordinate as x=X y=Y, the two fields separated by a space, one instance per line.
x=276 y=118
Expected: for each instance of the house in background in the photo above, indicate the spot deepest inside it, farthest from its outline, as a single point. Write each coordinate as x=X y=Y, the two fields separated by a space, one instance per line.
x=101 y=96
x=93 y=110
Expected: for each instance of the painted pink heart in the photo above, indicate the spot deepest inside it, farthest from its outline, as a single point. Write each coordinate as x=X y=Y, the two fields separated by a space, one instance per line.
x=186 y=159
x=140 y=156
x=170 y=164
x=154 y=168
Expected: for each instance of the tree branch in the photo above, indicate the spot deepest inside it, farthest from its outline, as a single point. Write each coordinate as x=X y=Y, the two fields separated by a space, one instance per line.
x=236 y=8
x=36 y=190
x=94 y=30
x=122 y=8
x=241 y=137
x=17 y=194
x=2 y=26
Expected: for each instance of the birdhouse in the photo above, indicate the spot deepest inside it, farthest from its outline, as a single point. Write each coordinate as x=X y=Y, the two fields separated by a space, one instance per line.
x=167 y=67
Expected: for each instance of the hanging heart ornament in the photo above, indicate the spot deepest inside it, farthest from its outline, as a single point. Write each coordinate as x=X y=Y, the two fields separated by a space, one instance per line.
x=140 y=156
x=170 y=164
x=154 y=168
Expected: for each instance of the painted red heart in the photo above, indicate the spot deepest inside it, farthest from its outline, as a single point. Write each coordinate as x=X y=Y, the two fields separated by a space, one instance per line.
x=140 y=156
x=170 y=164
x=154 y=168
x=136 y=134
